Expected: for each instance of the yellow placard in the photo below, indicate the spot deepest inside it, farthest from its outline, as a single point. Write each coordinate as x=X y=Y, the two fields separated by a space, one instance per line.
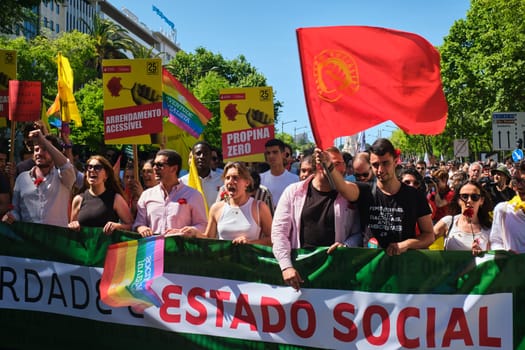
x=247 y=121
x=7 y=72
x=132 y=100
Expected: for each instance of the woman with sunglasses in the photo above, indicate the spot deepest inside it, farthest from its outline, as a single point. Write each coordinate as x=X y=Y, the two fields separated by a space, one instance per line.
x=101 y=202
x=468 y=227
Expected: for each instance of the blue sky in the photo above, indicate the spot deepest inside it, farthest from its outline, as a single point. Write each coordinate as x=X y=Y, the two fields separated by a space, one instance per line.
x=264 y=32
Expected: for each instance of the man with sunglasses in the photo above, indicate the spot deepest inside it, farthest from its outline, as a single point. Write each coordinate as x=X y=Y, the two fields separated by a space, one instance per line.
x=362 y=168
x=389 y=209
x=171 y=207
x=42 y=194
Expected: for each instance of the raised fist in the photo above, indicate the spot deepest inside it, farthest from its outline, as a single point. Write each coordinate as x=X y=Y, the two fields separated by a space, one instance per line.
x=143 y=94
x=257 y=118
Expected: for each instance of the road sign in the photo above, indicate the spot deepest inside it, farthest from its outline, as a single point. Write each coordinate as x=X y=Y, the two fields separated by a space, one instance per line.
x=507 y=128
x=461 y=148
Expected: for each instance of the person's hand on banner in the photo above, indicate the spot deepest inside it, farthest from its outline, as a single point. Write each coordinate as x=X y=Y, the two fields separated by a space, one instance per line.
x=257 y=118
x=292 y=278
x=143 y=94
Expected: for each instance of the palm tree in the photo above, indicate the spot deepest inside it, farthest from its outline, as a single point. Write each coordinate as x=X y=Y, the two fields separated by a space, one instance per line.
x=139 y=51
x=111 y=40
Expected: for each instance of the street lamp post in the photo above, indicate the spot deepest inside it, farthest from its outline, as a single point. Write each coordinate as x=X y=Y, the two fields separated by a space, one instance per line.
x=295 y=132
x=283 y=123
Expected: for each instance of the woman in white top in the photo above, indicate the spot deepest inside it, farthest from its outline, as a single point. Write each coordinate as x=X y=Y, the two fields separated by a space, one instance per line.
x=239 y=217
x=469 y=228
x=508 y=231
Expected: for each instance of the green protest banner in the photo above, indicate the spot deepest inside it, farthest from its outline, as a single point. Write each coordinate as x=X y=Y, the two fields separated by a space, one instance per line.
x=216 y=295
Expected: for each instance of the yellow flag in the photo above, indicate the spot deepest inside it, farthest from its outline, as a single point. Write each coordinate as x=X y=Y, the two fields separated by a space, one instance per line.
x=44 y=117
x=65 y=100
x=195 y=182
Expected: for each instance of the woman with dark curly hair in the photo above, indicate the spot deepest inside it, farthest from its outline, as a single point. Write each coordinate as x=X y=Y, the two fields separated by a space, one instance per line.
x=101 y=202
x=468 y=226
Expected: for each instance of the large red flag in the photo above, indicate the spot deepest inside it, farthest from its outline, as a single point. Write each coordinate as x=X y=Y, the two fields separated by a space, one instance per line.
x=356 y=77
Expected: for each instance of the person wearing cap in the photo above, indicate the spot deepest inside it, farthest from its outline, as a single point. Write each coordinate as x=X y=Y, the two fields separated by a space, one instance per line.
x=499 y=190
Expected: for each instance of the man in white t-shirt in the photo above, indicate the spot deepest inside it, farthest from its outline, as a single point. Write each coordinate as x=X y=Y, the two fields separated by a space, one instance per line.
x=211 y=181
x=277 y=178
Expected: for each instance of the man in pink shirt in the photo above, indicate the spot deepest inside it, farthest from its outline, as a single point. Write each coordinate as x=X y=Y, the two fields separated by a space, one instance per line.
x=312 y=214
x=169 y=208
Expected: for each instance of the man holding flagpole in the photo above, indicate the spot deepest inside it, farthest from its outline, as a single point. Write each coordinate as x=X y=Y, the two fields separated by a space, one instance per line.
x=388 y=207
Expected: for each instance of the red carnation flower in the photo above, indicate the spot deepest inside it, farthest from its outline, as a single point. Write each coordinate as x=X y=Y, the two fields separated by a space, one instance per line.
x=38 y=181
x=231 y=111
x=469 y=213
x=225 y=195
x=114 y=86
x=182 y=201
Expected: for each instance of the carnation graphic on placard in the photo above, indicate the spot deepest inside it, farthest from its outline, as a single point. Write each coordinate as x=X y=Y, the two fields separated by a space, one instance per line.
x=254 y=117
x=140 y=93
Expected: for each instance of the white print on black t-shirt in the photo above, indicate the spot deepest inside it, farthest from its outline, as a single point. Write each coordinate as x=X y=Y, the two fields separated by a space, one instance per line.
x=385 y=220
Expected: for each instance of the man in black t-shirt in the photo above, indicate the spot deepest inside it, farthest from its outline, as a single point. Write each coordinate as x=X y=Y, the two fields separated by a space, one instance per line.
x=388 y=208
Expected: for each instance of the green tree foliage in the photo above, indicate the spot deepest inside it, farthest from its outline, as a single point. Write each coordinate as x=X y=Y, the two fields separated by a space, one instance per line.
x=483 y=69
x=205 y=73
x=36 y=59
x=90 y=101
x=111 y=41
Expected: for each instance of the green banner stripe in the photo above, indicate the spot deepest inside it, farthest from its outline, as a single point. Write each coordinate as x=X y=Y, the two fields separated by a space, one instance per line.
x=370 y=270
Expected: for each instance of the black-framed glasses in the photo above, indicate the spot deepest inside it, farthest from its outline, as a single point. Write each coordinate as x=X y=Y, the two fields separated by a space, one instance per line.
x=473 y=196
x=160 y=165
x=420 y=168
x=361 y=174
x=94 y=167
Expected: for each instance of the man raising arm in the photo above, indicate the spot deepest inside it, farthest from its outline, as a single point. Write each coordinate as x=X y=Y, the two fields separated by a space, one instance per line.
x=389 y=209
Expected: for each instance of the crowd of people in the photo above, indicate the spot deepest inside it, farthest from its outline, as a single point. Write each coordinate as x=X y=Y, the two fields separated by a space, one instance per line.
x=322 y=198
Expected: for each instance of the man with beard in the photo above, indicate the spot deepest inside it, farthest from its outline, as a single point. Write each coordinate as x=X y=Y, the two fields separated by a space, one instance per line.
x=389 y=208
x=42 y=194
x=171 y=207
x=211 y=181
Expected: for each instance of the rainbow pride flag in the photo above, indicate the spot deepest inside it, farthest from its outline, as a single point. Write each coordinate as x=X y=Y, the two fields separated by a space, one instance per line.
x=129 y=270
x=182 y=108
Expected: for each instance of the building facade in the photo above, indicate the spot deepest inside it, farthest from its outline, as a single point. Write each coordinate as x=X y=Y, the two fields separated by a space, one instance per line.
x=79 y=14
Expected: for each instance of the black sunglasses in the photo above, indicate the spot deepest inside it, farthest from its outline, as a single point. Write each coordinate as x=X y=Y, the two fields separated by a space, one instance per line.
x=160 y=165
x=361 y=174
x=474 y=196
x=96 y=167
